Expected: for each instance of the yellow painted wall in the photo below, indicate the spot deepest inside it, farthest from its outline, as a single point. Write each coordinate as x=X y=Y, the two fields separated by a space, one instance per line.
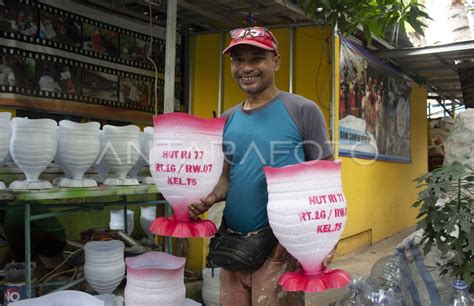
x=231 y=92
x=379 y=195
x=313 y=66
x=205 y=77
x=4 y=110
x=282 y=78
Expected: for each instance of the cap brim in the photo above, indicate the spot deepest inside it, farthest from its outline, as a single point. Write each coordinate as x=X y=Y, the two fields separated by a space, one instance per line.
x=248 y=42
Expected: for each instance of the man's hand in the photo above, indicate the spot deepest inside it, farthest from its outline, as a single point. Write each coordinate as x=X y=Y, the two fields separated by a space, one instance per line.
x=202 y=206
x=218 y=194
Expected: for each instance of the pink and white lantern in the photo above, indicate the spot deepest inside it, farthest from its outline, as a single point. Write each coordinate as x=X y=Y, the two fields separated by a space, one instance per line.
x=186 y=162
x=307 y=213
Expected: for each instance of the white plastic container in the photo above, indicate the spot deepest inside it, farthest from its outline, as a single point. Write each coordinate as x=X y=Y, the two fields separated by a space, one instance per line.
x=104 y=267
x=33 y=146
x=147 y=216
x=117 y=220
x=121 y=152
x=211 y=286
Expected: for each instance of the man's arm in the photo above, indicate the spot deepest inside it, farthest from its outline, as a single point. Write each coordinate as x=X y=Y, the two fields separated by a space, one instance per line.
x=218 y=194
x=310 y=121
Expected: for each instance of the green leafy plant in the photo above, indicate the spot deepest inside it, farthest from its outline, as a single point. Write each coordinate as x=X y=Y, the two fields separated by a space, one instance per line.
x=446 y=216
x=372 y=16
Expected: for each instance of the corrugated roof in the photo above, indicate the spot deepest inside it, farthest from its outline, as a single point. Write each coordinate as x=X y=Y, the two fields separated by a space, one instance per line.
x=210 y=15
x=436 y=66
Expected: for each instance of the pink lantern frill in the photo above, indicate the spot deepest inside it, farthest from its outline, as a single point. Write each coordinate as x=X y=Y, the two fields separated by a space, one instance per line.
x=307 y=213
x=155 y=278
x=186 y=162
x=173 y=227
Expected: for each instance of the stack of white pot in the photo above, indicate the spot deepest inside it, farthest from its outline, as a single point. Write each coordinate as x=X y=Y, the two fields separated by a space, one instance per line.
x=117 y=221
x=155 y=278
x=78 y=148
x=122 y=150
x=33 y=146
x=4 y=138
x=104 y=267
x=147 y=216
x=211 y=286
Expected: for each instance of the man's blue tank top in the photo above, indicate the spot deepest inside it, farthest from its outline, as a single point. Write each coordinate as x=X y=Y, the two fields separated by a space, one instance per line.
x=252 y=139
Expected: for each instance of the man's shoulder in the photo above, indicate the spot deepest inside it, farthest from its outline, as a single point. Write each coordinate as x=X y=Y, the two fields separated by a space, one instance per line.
x=228 y=113
x=296 y=102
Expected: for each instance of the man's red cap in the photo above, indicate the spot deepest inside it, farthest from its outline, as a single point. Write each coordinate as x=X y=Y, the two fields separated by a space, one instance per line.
x=256 y=36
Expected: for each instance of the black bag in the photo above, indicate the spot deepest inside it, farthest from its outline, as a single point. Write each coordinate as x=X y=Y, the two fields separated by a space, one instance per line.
x=240 y=253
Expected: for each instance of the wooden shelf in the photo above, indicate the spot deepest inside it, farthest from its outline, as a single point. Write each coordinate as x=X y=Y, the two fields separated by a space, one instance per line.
x=77 y=193
x=75 y=108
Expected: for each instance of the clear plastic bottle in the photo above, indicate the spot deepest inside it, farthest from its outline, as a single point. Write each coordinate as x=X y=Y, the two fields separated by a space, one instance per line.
x=459 y=295
x=350 y=298
x=376 y=293
x=355 y=296
x=394 y=277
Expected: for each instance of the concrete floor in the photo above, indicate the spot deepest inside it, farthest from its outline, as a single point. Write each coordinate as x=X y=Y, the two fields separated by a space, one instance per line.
x=357 y=264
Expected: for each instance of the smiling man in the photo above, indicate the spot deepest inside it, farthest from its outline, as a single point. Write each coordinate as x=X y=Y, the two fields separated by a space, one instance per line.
x=270 y=127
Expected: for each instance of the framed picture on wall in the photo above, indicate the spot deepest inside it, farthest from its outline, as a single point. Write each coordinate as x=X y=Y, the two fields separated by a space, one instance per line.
x=18 y=18
x=60 y=29
x=18 y=71
x=99 y=85
x=100 y=40
x=133 y=48
x=135 y=91
x=58 y=77
x=374 y=107
x=58 y=52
